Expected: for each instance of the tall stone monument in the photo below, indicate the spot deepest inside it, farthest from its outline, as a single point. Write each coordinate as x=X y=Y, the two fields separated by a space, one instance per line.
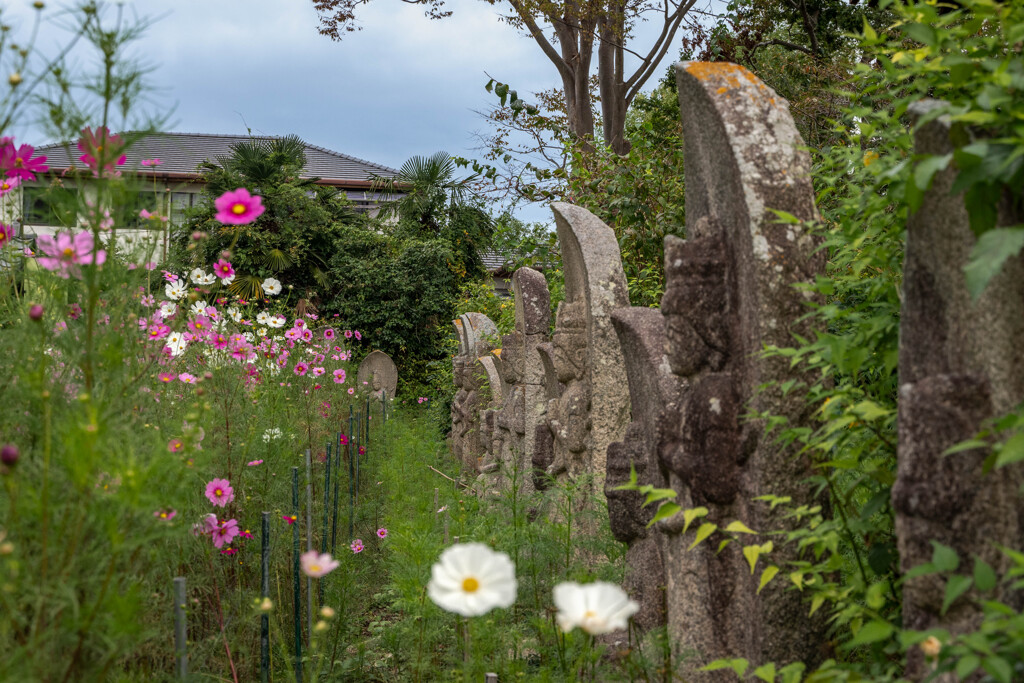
x=593 y=408
x=475 y=331
x=730 y=290
x=961 y=363
x=653 y=390
x=379 y=372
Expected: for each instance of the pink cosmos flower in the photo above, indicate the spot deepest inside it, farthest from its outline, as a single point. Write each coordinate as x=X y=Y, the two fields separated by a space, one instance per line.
x=290 y=519
x=293 y=334
x=317 y=371
x=224 y=533
x=187 y=378
x=362 y=450
x=101 y=144
x=299 y=322
x=200 y=325
x=151 y=162
x=166 y=377
x=18 y=162
x=8 y=184
x=307 y=335
x=169 y=276
x=316 y=565
x=6 y=233
x=219 y=341
x=223 y=269
x=219 y=492
x=238 y=207
x=253 y=463
x=74 y=311
x=146 y=215
x=382 y=533
x=351 y=391
x=158 y=331
x=175 y=445
x=329 y=333
x=228 y=551
x=301 y=368
x=206 y=526
x=358 y=334
x=357 y=545
x=343 y=440
x=165 y=514
x=64 y=253
x=348 y=334
x=148 y=301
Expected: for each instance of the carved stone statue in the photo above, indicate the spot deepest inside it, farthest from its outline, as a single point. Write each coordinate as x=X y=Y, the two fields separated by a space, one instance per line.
x=730 y=290
x=380 y=372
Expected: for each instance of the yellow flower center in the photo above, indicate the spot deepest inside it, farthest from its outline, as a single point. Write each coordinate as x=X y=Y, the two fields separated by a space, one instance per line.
x=19 y=162
x=238 y=209
x=314 y=568
x=470 y=585
x=164 y=515
x=218 y=492
x=69 y=252
x=590 y=614
x=6 y=186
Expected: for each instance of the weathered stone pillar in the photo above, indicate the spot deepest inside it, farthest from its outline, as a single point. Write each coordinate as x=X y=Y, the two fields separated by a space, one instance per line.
x=961 y=362
x=730 y=290
x=593 y=409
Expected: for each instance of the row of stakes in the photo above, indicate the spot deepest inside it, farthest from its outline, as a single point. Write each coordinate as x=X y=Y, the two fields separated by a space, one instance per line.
x=359 y=434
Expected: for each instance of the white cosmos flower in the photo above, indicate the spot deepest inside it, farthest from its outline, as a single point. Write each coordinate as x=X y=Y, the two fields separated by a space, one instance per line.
x=471 y=579
x=227 y=280
x=197 y=276
x=168 y=308
x=235 y=314
x=276 y=321
x=261 y=332
x=597 y=608
x=263 y=318
x=271 y=286
x=199 y=308
x=176 y=342
x=175 y=290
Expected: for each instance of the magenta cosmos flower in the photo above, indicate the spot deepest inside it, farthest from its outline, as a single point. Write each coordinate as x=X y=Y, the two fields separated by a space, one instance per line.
x=329 y=333
x=357 y=545
x=101 y=144
x=339 y=376
x=225 y=532
x=343 y=440
x=316 y=565
x=17 y=162
x=175 y=445
x=64 y=253
x=165 y=514
x=219 y=492
x=6 y=233
x=301 y=368
x=223 y=269
x=8 y=184
x=238 y=207
x=382 y=533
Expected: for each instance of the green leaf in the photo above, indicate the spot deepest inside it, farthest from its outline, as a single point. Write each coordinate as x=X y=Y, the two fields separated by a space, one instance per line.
x=944 y=558
x=928 y=167
x=767 y=575
x=766 y=672
x=739 y=666
x=988 y=255
x=816 y=602
x=998 y=668
x=922 y=33
x=738 y=527
x=984 y=576
x=703 y=531
x=798 y=579
x=872 y=632
x=752 y=552
x=1012 y=451
x=968 y=445
x=692 y=514
x=785 y=217
x=955 y=587
x=966 y=666
x=664 y=512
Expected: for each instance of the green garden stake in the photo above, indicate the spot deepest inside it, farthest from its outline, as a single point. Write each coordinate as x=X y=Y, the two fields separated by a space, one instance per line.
x=355 y=452
x=180 y=628
x=351 y=476
x=296 y=571
x=337 y=477
x=327 y=514
x=309 y=538
x=367 y=438
x=265 y=593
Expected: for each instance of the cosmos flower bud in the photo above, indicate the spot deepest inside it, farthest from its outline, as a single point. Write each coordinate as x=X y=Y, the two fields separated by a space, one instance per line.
x=14 y=79
x=9 y=454
x=35 y=312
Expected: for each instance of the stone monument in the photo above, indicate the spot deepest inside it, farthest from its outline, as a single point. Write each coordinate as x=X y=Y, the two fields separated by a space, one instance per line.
x=380 y=373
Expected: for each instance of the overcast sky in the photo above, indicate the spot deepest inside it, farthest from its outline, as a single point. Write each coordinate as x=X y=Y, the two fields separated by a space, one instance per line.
x=403 y=86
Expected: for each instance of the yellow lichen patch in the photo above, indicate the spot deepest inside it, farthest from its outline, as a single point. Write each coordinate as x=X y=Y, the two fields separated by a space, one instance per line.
x=722 y=90
x=731 y=75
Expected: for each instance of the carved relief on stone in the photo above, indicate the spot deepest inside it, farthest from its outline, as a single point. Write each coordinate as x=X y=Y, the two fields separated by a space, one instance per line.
x=379 y=372
x=730 y=290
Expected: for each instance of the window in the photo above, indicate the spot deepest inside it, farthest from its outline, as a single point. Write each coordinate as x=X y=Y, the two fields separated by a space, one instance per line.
x=53 y=206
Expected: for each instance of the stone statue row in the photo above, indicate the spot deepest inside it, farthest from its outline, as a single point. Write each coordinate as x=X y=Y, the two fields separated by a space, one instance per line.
x=672 y=394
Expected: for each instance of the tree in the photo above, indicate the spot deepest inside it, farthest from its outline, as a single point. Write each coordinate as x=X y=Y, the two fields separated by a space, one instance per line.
x=575 y=26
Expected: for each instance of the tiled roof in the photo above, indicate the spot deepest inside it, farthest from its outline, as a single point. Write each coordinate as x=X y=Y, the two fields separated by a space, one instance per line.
x=493 y=261
x=183 y=152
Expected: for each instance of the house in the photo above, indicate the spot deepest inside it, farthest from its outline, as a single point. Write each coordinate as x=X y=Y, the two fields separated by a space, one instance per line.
x=176 y=183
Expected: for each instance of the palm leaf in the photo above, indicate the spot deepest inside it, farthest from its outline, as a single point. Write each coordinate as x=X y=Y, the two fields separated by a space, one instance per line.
x=248 y=287
x=277 y=260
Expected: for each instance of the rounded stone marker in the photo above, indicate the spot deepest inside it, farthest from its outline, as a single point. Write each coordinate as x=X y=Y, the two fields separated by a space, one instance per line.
x=380 y=372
